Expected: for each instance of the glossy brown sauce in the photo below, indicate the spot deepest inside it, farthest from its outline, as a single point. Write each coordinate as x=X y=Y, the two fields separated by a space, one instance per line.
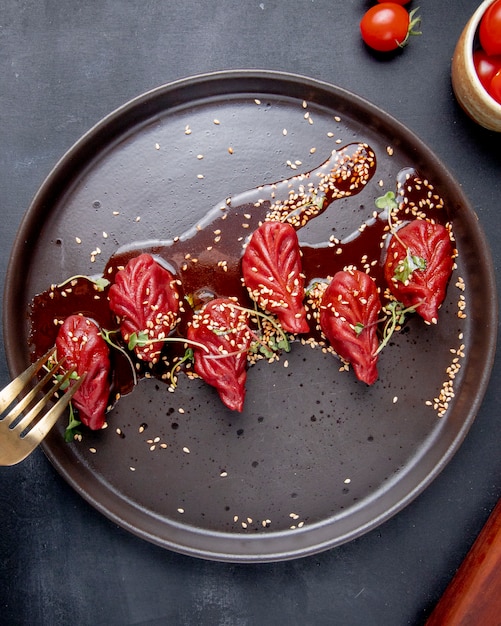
x=206 y=260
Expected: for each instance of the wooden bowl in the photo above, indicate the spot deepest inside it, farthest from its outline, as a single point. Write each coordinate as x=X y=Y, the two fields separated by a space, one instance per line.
x=469 y=91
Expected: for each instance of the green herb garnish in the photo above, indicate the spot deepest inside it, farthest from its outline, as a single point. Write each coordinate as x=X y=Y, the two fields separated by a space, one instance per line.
x=396 y=312
x=408 y=265
x=73 y=428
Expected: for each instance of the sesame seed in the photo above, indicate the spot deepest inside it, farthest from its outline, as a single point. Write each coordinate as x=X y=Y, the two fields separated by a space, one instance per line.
x=186 y=450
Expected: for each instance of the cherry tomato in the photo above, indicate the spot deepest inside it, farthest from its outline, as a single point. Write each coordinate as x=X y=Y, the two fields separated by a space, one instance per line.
x=387 y=26
x=486 y=66
x=495 y=86
x=490 y=29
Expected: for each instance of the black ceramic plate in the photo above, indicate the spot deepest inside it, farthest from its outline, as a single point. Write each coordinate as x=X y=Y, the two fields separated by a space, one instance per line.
x=316 y=458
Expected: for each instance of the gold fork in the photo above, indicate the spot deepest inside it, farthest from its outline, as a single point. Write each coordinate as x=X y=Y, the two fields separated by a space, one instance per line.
x=19 y=435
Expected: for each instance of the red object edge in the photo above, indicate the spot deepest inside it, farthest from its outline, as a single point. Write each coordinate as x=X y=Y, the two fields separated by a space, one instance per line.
x=474 y=594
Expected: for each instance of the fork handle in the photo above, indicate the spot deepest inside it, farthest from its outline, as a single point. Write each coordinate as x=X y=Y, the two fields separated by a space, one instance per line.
x=474 y=594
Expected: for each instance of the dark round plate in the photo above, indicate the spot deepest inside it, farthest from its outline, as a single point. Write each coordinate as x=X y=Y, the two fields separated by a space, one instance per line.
x=316 y=458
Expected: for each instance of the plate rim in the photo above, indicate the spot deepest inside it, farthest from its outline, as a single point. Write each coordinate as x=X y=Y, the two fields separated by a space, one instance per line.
x=113 y=119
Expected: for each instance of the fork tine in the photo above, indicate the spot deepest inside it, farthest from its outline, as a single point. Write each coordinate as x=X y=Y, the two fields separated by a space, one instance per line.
x=44 y=425
x=9 y=393
x=33 y=412
x=26 y=401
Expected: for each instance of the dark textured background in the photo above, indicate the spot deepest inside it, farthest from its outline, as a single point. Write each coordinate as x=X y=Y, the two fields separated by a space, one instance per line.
x=64 y=65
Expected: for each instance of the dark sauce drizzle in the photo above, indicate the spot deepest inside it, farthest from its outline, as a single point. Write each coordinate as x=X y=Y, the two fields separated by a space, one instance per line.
x=206 y=259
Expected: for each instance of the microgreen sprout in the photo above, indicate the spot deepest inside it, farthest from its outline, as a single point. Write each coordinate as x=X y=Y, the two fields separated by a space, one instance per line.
x=106 y=335
x=188 y=357
x=412 y=262
x=73 y=428
x=387 y=202
x=283 y=343
x=408 y=265
x=396 y=312
x=100 y=283
x=66 y=383
x=141 y=339
x=358 y=328
x=267 y=349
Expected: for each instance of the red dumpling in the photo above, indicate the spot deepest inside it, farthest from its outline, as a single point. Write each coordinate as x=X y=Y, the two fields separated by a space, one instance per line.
x=418 y=266
x=81 y=344
x=145 y=298
x=348 y=317
x=222 y=327
x=272 y=273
